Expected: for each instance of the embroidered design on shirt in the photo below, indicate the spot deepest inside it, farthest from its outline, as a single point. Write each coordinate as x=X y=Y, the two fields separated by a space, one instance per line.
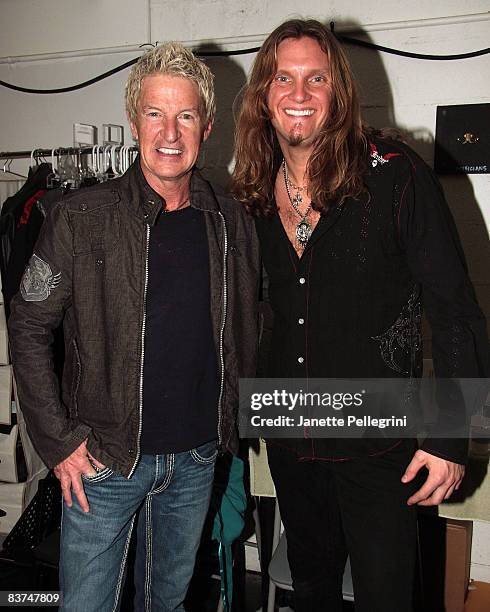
x=38 y=281
x=376 y=158
x=404 y=334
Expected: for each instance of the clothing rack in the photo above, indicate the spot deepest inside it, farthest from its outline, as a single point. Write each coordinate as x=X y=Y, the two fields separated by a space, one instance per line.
x=36 y=153
x=73 y=164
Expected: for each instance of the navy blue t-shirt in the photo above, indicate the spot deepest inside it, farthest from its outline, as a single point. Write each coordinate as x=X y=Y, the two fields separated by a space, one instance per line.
x=180 y=384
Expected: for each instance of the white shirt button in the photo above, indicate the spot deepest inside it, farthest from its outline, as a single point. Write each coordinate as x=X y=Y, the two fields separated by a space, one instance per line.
x=301 y=321
x=300 y=359
x=302 y=281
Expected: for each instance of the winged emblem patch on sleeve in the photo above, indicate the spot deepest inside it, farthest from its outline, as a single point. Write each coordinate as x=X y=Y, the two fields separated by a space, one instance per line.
x=38 y=281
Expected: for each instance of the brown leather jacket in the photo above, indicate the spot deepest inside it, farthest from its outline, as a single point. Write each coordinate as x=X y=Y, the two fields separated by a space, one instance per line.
x=89 y=270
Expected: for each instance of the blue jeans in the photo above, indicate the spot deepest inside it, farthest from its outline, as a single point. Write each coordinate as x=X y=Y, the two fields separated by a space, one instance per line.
x=172 y=493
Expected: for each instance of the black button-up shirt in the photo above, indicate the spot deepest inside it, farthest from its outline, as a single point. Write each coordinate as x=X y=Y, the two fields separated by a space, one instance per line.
x=351 y=305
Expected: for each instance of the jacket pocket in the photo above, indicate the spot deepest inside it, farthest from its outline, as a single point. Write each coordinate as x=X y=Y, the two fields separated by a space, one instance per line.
x=95 y=230
x=77 y=377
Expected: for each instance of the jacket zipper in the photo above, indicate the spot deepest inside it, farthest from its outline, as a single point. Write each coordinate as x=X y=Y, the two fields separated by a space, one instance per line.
x=143 y=328
x=222 y=330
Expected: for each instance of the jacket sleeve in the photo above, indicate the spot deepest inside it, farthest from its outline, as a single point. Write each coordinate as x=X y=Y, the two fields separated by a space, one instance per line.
x=247 y=325
x=37 y=310
x=459 y=336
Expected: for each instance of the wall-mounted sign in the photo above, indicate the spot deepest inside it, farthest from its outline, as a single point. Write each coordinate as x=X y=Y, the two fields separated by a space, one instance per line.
x=84 y=135
x=462 y=139
x=113 y=134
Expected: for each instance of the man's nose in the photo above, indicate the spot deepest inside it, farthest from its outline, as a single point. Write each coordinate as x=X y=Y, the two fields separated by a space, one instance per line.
x=170 y=129
x=299 y=92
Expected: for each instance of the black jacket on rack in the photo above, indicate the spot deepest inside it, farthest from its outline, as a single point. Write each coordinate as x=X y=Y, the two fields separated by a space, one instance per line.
x=20 y=223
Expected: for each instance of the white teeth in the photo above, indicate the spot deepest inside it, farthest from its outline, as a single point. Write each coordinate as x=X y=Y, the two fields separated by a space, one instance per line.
x=299 y=113
x=169 y=151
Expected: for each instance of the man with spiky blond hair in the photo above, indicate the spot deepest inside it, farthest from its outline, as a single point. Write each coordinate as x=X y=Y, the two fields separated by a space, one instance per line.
x=155 y=279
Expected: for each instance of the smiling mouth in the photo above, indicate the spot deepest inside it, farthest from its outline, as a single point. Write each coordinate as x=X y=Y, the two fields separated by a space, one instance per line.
x=169 y=151
x=306 y=112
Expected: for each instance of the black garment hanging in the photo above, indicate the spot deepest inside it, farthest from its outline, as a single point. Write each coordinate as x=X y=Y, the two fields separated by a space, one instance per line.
x=20 y=222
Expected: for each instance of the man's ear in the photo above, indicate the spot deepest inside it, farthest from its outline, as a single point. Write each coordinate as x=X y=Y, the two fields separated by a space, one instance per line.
x=133 y=128
x=207 y=130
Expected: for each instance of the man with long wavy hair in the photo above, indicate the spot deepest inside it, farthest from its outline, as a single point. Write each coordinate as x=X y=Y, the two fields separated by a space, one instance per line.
x=354 y=231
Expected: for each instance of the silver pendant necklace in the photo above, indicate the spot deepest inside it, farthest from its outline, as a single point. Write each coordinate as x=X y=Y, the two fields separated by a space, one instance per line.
x=303 y=229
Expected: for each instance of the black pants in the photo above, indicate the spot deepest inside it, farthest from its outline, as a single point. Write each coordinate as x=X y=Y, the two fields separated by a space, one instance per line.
x=356 y=508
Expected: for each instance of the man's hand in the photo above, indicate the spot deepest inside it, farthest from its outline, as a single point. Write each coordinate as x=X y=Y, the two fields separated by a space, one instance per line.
x=444 y=478
x=69 y=473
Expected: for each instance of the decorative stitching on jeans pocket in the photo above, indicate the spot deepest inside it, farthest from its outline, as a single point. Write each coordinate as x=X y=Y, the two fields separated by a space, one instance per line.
x=99 y=476
x=123 y=565
x=203 y=460
x=168 y=476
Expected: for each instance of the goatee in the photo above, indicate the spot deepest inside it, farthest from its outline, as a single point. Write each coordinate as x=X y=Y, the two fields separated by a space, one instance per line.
x=296 y=136
x=295 y=139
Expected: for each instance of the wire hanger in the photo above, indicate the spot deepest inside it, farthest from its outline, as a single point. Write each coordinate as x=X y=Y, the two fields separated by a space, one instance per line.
x=6 y=169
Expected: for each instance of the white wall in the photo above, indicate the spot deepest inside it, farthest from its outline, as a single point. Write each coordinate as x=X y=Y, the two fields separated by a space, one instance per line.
x=54 y=43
